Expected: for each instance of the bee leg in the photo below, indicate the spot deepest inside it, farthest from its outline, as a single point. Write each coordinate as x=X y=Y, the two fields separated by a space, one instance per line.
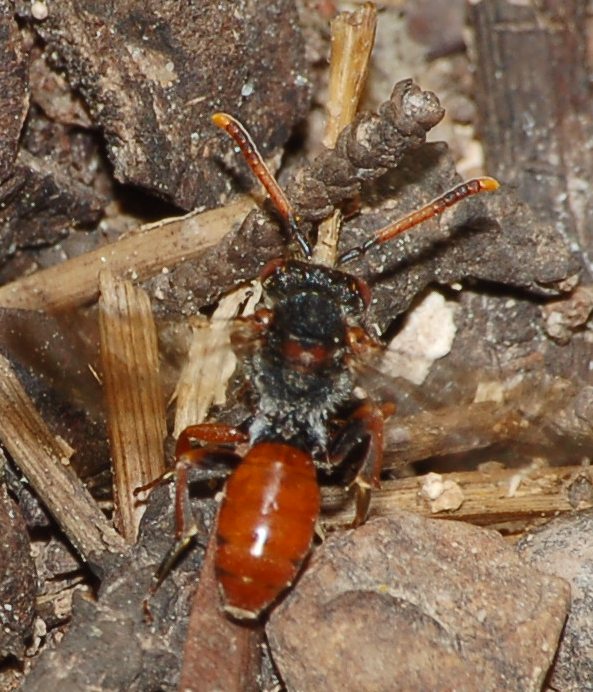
x=204 y=432
x=186 y=527
x=213 y=433
x=363 y=435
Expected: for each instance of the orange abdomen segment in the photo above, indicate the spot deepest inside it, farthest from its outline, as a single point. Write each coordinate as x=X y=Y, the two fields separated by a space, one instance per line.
x=265 y=526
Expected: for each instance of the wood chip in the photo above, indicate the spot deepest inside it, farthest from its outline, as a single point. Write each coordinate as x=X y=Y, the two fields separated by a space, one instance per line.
x=219 y=654
x=543 y=493
x=135 y=406
x=40 y=457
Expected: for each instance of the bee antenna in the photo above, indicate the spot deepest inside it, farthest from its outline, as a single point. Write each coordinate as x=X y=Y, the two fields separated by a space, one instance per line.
x=430 y=210
x=261 y=171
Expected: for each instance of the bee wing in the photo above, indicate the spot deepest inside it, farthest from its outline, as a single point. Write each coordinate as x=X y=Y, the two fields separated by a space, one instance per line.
x=514 y=414
x=56 y=357
x=212 y=358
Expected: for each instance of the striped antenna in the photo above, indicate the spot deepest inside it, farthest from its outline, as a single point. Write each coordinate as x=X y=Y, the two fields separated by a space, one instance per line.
x=430 y=210
x=255 y=161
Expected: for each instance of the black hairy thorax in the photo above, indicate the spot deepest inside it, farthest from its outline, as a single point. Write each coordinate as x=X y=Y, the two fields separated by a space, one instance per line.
x=300 y=374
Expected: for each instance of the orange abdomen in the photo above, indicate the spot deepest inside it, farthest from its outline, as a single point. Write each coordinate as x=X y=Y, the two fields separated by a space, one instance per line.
x=265 y=526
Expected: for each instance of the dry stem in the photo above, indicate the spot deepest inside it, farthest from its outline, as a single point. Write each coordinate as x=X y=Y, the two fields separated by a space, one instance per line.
x=353 y=35
x=42 y=460
x=219 y=654
x=134 y=401
x=76 y=281
x=492 y=497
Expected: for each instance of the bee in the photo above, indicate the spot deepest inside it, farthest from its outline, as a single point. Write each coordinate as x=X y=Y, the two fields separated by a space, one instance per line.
x=306 y=418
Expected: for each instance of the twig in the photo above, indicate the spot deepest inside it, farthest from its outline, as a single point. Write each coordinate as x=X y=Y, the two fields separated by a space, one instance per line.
x=489 y=497
x=353 y=35
x=135 y=407
x=42 y=460
x=76 y=282
x=219 y=654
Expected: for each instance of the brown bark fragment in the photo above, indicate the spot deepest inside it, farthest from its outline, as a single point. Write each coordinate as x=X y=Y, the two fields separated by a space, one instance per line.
x=535 y=101
x=18 y=584
x=219 y=654
x=494 y=237
x=152 y=73
x=39 y=204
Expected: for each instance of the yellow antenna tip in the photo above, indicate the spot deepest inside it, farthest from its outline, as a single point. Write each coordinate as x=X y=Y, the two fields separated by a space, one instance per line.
x=221 y=119
x=489 y=184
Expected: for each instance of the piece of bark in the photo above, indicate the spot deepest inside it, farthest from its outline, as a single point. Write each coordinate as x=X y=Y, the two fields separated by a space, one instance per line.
x=494 y=238
x=39 y=204
x=219 y=654
x=430 y=605
x=564 y=547
x=152 y=73
x=44 y=462
x=18 y=581
x=500 y=341
x=14 y=93
x=133 y=396
x=534 y=98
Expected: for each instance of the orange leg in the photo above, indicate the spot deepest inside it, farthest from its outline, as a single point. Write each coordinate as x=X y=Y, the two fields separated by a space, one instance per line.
x=187 y=456
x=365 y=429
x=213 y=433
